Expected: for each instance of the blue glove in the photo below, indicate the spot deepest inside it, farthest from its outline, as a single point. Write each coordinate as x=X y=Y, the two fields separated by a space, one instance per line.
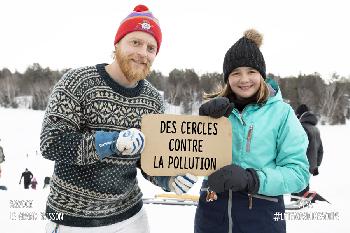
x=181 y=184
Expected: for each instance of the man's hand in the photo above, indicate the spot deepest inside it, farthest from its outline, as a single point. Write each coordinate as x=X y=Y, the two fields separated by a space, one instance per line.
x=130 y=142
x=181 y=184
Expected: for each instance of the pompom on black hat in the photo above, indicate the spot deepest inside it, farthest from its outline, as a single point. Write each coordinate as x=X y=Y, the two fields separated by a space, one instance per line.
x=245 y=53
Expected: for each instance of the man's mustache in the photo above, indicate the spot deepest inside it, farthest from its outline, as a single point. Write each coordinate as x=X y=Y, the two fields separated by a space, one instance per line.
x=141 y=60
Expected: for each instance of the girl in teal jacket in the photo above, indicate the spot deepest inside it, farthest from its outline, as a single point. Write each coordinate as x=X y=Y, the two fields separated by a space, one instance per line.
x=268 y=149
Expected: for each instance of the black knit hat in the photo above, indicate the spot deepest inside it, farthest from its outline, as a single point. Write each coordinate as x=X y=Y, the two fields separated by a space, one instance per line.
x=245 y=53
x=301 y=109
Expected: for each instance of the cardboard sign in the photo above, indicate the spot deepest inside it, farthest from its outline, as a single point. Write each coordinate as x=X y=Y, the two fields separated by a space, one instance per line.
x=180 y=144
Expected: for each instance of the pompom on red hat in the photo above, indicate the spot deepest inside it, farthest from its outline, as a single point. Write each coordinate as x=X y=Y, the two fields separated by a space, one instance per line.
x=141 y=19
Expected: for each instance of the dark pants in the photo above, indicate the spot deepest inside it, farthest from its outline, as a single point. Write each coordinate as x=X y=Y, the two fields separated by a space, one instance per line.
x=213 y=217
x=26 y=184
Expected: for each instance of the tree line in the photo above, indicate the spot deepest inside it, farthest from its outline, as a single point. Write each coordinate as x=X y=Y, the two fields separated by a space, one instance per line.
x=330 y=100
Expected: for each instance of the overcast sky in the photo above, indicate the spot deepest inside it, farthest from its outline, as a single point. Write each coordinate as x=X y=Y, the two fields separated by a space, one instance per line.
x=300 y=36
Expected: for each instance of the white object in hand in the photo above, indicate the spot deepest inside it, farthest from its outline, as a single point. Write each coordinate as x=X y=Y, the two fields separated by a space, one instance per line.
x=182 y=184
x=130 y=142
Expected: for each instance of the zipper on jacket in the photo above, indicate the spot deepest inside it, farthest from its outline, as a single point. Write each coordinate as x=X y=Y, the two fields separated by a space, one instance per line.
x=229 y=211
x=241 y=113
x=241 y=117
x=250 y=201
x=249 y=138
x=267 y=198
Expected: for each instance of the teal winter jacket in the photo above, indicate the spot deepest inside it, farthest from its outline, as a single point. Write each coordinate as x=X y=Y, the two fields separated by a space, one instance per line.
x=269 y=138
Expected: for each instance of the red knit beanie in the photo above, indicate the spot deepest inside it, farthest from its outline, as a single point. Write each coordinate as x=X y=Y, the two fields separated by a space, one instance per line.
x=141 y=19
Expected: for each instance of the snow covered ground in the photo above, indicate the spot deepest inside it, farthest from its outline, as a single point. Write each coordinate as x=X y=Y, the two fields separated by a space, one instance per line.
x=19 y=133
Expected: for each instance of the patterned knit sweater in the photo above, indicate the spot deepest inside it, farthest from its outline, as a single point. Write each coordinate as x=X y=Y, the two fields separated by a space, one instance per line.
x=85 y=190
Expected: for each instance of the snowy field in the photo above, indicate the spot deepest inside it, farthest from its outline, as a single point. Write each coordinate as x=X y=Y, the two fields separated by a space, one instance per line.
x=19 y=133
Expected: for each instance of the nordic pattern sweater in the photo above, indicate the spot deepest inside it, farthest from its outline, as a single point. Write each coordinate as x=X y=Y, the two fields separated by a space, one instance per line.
x=86 y=191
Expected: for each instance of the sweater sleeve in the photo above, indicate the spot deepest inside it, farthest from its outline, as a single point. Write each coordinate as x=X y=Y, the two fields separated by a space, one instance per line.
x=291 y=173
x=161 y=181
x=62 y=138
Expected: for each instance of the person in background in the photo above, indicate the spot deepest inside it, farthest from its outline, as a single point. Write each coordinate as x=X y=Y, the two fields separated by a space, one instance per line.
x=2 y=157
x=91 y=129
x=2 y=187
x=46 y=181
x=268 y=148
x=33 y=183
x=27 y=177
x=315 y=148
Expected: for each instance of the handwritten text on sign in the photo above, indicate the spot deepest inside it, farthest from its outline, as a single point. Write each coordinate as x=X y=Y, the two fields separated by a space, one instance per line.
x=177 y=144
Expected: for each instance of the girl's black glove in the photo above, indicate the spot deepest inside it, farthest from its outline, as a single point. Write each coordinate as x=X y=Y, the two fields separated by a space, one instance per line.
x=235 y=178
x=217 y=107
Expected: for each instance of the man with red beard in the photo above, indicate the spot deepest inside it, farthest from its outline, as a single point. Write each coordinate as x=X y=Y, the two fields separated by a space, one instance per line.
x=91 y=131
